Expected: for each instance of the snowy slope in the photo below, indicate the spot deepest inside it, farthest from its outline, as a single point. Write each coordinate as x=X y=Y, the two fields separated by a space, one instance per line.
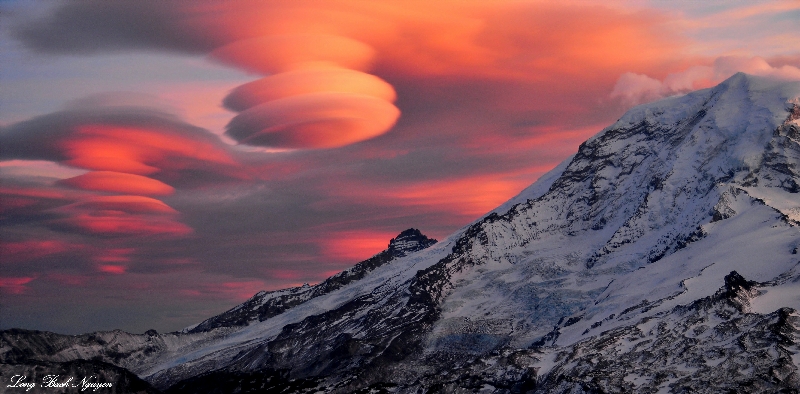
x=645 y=190
x=677 y=226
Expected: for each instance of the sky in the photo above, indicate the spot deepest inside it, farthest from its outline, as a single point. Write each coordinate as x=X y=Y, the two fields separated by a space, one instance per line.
x=161 y=162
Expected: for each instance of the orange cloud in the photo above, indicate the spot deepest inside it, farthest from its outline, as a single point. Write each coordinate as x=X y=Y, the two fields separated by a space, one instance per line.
x=479 y=194
x=553 y=46
x=560 y=46
x=119 y=182
x=315 y=120
x=313 y=102
x=280 y=53
x=531 y=41
x=128 y=147
x=298 y=82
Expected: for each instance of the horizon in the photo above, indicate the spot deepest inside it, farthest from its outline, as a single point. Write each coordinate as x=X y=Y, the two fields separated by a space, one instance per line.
x=163 y=163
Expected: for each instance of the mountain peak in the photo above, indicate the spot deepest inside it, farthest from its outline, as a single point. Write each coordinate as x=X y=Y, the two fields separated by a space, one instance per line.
x=409 y=241
x=742 y=102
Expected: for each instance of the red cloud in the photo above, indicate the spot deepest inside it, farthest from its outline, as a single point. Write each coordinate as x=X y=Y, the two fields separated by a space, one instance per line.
x=139 y=150
x=20 y=199
x=122 y=144
x=119 y=182
x=125 y=139
x=117 y=224
x=120 y=215
x=352 y=246
x=15 y=285
x=11 y=252
x=112 y=269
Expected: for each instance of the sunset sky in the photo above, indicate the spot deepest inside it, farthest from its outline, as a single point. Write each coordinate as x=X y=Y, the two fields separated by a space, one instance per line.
x=162 y=161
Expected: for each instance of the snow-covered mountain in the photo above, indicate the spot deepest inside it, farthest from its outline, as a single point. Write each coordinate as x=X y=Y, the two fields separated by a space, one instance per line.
x=662 y=257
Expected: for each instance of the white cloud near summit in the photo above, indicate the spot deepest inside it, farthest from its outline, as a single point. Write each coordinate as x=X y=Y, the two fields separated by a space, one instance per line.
x=632 y=88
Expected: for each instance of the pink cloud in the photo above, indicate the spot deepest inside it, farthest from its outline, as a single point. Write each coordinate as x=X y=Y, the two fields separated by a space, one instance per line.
x=116 y=255
x=112 y=269
x=11 y=252
x=120 y=182
x=353 y=246
x=14 y=285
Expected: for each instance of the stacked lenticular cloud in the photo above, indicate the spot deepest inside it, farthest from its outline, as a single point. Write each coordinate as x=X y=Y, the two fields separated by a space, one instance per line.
x=316 y=94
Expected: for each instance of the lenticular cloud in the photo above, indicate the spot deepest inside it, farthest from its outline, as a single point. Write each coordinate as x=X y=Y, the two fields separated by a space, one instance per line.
x=315 y=97
x=130 y=153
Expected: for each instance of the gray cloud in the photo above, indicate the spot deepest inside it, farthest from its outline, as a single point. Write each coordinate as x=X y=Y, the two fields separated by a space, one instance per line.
x=88 y=26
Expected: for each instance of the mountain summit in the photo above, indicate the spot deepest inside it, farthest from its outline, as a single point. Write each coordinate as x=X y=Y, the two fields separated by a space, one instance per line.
x=661 y=257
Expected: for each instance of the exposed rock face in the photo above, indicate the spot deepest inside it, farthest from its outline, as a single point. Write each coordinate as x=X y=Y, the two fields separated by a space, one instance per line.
x=662 y=257
x=710 y=345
